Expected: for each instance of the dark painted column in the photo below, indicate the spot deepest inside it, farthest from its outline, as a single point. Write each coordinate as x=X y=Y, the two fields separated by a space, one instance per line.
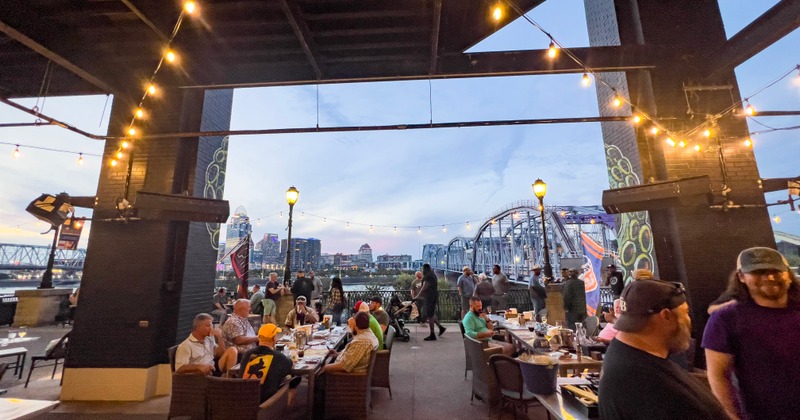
x=695 y=245
x=144 y=280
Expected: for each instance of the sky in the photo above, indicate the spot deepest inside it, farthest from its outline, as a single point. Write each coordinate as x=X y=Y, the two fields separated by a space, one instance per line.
x=403 y=178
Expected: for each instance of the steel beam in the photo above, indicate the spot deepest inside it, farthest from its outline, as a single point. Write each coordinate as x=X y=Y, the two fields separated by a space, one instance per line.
x=295 y=17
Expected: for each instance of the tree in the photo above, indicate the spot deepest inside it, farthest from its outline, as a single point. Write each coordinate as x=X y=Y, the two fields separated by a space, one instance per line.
x=403 y=281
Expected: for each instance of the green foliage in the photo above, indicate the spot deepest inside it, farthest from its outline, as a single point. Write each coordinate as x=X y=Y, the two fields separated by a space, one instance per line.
x=793 y=260
x=444 y=284
x=373 y=288
x=403 y=281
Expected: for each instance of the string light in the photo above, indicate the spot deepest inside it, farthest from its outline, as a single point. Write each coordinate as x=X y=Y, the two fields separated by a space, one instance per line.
x=707 y=133
x=586 y=81
x=280 y=215
x=348 y=225
x=113 y=162
x=395 y=229
x=125 y=144
x=139 y=113
x=324 y=220
x=468 y=226
x=258 y=222
x=670 y=142
x=151 y=89
x=617 y=102
x=777 y=219
x=681 y=143
x=444 y=228
x=696 y=147
x=552 y=50
x=636 y=119
x=77 y=224
x=748 y=143
x=654 y=130
x=419 y=230
x=749 y=109
x=170 y=56
x=16 y=153
x=131 y=131
x=370 y=228
x=80 y=159
x=190 y=7
x=120 y=155
x=497 y=12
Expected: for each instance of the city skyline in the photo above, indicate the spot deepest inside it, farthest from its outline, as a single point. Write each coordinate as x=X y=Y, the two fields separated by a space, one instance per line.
x=408 y=178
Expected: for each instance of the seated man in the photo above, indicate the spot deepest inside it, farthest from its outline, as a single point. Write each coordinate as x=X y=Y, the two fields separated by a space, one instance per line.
x=374 y=326
x=478 y=326
x=266 y=364
x=204 y=351
x=256 y=306
x=376 y=310
x=355 y=356
x=237 y=331
x=219 y=300
x=301 y=314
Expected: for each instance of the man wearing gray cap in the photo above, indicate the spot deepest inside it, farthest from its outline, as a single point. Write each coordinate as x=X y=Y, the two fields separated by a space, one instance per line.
x=756 y=339
x=638 y=381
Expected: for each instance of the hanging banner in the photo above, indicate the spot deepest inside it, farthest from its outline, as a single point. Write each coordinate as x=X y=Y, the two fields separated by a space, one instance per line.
x=591 y=268
x=70 y=235
x=240 y=260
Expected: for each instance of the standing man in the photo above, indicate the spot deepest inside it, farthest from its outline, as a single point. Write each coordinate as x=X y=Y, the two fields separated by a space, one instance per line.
x=484 y=291
x=256 y=306
x=756 y=339
x=316 y=295
x=430 y=292
x=237 y=330
x=204 y=350
x=615 y=280
x=274 y=288
x=638 y=381
x=219 y=300
x=302 y=286
x=536 y=287
x=501 y=286
x=466 y=288
x=376 y=310
x=574 y=293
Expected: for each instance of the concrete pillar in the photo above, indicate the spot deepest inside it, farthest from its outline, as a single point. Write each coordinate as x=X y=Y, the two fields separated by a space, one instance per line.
x=694 y=245
x=145 y=280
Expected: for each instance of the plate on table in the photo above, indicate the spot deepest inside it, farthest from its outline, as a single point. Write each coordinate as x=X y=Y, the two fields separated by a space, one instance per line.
x=316 y=342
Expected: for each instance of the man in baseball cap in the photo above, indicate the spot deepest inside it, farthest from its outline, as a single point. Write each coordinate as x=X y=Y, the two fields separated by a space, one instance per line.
x=755 y=339
x=265 y=363
x=374 y=325
x=639 y=381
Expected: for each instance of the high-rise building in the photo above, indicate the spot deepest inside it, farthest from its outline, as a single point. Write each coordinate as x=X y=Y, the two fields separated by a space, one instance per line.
x=394 y=262
x=365 y=253
x=305 y=255
x=238 y=227
x=271 y=246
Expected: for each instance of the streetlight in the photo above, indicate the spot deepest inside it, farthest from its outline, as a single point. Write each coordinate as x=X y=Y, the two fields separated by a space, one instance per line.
x=539 y=190
x=291 y=197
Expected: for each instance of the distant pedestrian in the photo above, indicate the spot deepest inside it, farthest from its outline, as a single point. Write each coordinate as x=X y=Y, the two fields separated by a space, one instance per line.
x=484 y=291
x=418 y=302
x=536 y=288
x=317 y=293
x=615 y=280
x=274 y=289
x=256 y=306
x=336 y=301
x=219 y=300
x=303 y=286
x=466 y=289
x=574 y=293
x=501 y=286
x=430 y=292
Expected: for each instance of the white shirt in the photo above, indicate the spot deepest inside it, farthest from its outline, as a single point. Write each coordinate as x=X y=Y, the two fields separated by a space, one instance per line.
x=195 y=352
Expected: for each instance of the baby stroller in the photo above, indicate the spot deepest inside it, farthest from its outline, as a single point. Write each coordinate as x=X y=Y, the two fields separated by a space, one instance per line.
x=398 y=314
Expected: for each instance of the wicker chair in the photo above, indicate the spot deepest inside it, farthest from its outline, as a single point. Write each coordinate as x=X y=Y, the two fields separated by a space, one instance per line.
x=511 y=384
x=274 y=407
x=171 y=353
x=233 y=398
x=347 y=395
x=188 y=396
x=484 y=383
x=380 y=376
x=591 y=323
x=55 y=354
x=467 y=364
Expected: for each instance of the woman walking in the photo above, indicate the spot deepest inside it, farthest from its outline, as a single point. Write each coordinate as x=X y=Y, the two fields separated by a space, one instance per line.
x=336 y=300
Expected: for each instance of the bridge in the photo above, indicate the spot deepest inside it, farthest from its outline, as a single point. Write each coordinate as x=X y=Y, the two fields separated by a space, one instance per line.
x=34 y=257
x=512 y=239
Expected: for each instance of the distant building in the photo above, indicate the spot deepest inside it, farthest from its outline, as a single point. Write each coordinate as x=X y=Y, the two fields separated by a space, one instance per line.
x=238 y=227
x=271 y=246
x=305 y=253
x=394 y=262
x=365 y=253
x=788 y=245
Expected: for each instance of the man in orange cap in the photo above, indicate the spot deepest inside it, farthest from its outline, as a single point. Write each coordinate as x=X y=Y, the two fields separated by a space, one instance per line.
x=265 y=363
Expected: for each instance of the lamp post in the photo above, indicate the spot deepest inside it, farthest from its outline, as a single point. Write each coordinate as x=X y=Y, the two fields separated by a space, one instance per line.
x=539 y=190
x=291 y=197
x=47 y=277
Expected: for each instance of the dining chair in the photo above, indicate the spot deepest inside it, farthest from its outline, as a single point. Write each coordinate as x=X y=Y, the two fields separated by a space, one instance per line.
x=511 y=384
x=484 y=383
x=55 y=354
x=347 y=395
x=188 y=399
x=171 y=353
x=233 y=398
x=591 y=323
x=276 y=405
x=380 y=376
x=467 y=364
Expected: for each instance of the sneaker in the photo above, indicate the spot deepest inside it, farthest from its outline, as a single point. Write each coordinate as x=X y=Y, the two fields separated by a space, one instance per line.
x=430 y=338
x=441 y=330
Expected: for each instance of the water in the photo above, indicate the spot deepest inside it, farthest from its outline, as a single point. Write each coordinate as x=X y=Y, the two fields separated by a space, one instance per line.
x=9 y=291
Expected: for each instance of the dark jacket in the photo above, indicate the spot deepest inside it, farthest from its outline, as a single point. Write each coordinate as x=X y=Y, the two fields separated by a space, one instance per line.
x=574 y=296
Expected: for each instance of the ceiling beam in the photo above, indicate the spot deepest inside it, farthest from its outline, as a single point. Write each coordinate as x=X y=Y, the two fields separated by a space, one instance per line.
x=437 y=21
x=300 y=28
x=774 y=24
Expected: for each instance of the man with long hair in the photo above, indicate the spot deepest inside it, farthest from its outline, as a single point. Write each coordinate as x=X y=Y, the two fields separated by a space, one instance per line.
x=756 y=339
x=430 y=292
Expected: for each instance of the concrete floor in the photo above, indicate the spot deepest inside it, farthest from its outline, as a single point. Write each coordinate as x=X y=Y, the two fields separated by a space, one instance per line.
x=427 y=383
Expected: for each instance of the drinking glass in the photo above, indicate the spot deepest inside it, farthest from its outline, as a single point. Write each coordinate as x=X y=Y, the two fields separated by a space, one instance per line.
x=23 y=331
x=12 y=335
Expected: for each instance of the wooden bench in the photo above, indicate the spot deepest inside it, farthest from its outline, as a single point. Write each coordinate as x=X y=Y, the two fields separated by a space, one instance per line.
x=19 y=365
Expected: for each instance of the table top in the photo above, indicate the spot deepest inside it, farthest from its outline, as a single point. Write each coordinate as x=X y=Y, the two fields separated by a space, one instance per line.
x=316 y=351
x=15 y=408
x=556 y=406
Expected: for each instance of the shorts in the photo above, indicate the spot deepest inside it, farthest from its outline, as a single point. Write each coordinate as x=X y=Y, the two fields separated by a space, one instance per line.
x=465 y=303
x=217 y=372
x=430 y=305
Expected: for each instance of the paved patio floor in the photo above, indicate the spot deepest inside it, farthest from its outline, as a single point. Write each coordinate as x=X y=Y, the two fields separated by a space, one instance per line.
x=427 y=383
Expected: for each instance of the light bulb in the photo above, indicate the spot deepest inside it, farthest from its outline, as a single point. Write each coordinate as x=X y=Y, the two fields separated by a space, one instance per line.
x=370 y=228
x=190 y=7
x=139 y=113
x=654 y=130
x=258 y=222
x=77 y=224
x=170 y=56
x=347 y=226
x=617 y=101
x=395 y=229
x=419 y=230
x=125 y=145
x=696 y=147
x=113 y=162
x=280 y=215
x=777 y=219
x=444 y=228
x=80 y=158
x=552 y=50
x=707 y=133
x=586 y=81
x=750 y=110
x=636 y=119
x=468 y=226
x=120 y=155
x=497 y=12
x=681 y=143
x=670 y=141
x=151 y=89
x=131 y=131
x=748 y=143
x=16 y=153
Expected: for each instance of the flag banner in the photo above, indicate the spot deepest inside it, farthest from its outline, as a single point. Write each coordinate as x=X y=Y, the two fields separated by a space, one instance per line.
x=591 y=268
x=240 y=260
x=69 y=235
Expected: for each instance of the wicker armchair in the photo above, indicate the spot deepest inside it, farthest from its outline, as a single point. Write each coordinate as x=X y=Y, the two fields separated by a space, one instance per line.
x=511 y=384
x=347 y=395
x=274 y=407
x=484 y=383
x=233 y=398
x=188 y=398
x=380 y=375
x=467 y=365
x=171 y=353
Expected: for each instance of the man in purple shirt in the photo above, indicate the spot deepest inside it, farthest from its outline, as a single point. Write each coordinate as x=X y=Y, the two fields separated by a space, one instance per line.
x=756 y=339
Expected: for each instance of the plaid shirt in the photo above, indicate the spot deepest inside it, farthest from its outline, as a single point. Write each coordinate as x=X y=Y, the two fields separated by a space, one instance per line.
x=355 y=357
x=237 y=326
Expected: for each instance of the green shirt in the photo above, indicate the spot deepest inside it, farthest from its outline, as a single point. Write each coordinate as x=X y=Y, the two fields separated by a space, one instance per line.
x=376 y=329
x=473 y=325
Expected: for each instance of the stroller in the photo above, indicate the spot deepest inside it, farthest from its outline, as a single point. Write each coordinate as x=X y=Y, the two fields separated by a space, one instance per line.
x=398 y=314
